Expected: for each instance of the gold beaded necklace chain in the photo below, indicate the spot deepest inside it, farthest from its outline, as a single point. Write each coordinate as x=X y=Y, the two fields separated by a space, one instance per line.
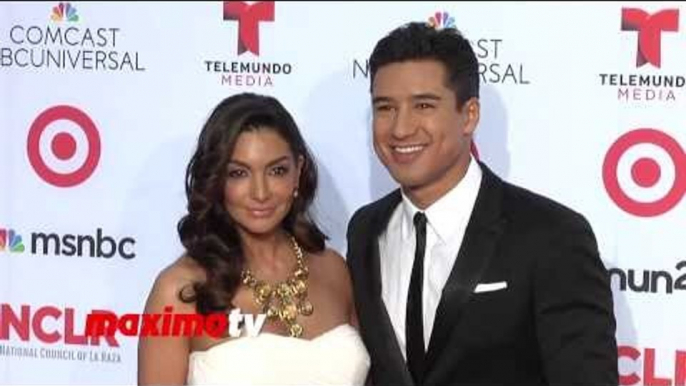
x=284 y=300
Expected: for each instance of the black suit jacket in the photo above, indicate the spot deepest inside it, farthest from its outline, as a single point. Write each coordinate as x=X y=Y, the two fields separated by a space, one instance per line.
x=553 y=324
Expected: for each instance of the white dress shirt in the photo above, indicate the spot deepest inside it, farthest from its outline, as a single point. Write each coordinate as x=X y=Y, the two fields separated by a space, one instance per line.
x=447 y=221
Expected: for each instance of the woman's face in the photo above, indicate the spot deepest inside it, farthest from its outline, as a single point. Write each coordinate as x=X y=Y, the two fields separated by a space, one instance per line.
x=262 y=176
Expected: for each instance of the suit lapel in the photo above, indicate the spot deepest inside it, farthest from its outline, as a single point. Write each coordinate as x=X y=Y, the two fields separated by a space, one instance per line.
x=480 y=241
x=384 y=338
x=379 y=222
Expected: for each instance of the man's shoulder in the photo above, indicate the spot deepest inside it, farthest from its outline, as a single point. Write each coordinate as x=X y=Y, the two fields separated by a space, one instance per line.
x=528 y=206
x=367 y=212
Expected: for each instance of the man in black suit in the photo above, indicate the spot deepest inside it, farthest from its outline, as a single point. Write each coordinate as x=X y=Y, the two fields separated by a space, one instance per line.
x=460 y=277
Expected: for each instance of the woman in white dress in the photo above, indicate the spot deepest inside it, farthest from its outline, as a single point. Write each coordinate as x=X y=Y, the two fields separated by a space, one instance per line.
x=251 y=246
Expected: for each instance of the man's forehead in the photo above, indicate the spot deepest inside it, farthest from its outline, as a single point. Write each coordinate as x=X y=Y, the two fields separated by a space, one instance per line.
x=410 y=78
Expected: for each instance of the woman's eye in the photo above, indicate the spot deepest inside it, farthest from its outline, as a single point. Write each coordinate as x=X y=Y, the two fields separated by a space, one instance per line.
x=280 y=170
x=237 y=173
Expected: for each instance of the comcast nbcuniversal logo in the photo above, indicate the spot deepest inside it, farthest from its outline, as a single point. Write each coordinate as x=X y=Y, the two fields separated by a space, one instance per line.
x=10 y=240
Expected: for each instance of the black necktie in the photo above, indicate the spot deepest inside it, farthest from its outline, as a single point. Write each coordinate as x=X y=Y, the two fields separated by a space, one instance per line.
x=414 y=326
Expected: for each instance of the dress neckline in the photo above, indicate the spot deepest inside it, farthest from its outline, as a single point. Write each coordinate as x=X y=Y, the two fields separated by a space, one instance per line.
x=274 y=336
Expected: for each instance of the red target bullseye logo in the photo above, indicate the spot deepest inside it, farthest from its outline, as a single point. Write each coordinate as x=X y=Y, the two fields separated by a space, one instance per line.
x=58 y=155
x=644 y=172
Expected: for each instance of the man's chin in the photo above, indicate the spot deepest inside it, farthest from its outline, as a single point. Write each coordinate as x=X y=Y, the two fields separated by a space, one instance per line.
x=407 y=181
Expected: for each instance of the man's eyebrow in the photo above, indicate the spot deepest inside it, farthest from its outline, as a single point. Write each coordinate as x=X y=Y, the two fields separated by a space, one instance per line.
x=427 y=96
x=422 y=96
x=380 y=99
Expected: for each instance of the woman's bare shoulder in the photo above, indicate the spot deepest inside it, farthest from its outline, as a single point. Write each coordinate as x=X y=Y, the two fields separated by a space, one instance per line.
x=331 y=265
x=175 y=279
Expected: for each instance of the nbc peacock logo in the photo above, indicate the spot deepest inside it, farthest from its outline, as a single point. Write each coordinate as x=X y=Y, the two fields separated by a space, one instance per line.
x=9 y=239
x=442 y=20
x=64 y=11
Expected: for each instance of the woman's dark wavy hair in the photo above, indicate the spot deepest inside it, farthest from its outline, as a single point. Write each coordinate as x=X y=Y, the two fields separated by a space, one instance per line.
x=207 y=231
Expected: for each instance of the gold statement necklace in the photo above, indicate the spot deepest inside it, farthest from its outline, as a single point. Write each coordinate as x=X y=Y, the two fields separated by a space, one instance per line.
x=284 y=300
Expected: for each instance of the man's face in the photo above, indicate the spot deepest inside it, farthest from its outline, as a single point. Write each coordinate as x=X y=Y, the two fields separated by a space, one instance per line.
x=419 y=133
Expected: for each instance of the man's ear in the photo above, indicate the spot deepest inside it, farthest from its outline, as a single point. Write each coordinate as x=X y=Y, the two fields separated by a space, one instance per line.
x=471 y=111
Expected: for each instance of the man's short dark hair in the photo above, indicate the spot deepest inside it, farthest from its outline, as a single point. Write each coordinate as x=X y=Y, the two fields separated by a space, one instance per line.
x=420 y=41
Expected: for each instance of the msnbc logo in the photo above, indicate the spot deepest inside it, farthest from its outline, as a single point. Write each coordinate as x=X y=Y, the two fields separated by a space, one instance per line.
x=63 y=10
x=8 y=237
x=442 y=20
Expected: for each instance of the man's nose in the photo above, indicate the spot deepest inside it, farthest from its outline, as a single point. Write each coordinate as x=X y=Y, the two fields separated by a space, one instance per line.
x=404 y=124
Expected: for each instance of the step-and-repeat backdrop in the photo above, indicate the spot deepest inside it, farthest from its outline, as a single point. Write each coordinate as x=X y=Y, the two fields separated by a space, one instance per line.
x=101 y=105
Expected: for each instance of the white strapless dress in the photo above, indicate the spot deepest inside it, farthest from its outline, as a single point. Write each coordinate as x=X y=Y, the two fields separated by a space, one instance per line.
x=337 y=357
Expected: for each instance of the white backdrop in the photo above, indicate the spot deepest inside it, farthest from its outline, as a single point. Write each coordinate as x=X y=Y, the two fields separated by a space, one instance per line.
x=146 y=75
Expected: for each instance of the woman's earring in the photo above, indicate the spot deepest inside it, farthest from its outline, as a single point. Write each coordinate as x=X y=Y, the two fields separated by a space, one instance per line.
x=295 y=193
